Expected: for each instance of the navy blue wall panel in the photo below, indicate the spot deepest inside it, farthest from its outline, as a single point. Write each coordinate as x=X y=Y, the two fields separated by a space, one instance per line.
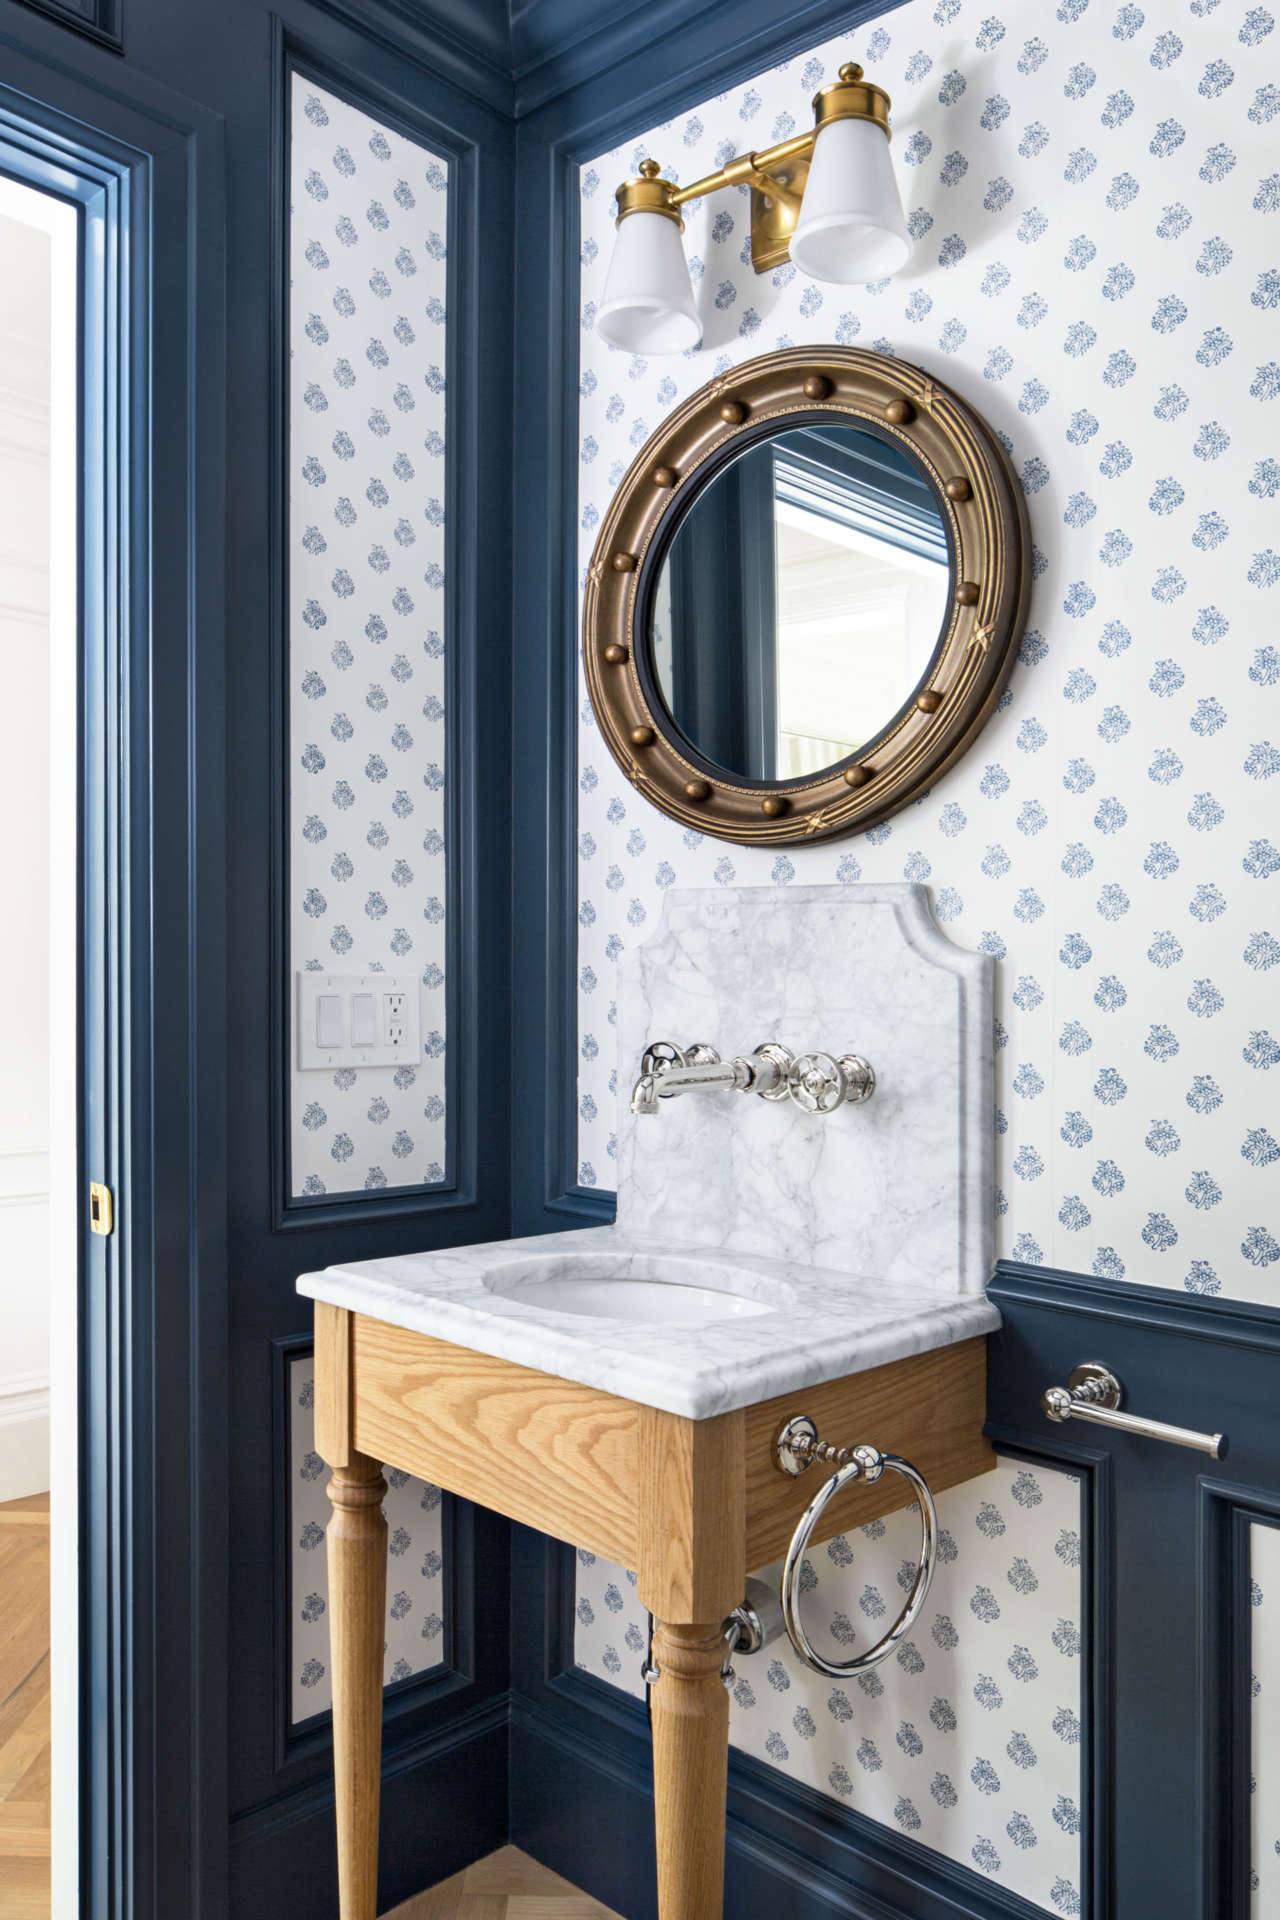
x=215 y=1811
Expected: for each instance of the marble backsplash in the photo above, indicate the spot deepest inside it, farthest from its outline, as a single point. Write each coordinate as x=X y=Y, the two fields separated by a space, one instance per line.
x=898 y=1189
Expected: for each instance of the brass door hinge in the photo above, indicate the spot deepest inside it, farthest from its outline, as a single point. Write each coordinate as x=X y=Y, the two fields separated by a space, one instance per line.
x=102 y=1208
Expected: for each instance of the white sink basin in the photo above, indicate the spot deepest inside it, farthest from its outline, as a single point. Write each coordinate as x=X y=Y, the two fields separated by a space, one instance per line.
x=647 y=1289
x=697 y=1332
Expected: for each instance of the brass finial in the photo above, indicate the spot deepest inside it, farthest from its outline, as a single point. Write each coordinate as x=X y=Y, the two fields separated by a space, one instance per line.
x=851 y=97
x=648 y=194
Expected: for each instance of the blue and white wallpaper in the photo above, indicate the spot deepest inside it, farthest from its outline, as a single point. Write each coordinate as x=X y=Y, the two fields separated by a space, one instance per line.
x=368 y=282
x=1094 y=190
x=967 y=1740
x=1264 y=1785
x=415 y=1566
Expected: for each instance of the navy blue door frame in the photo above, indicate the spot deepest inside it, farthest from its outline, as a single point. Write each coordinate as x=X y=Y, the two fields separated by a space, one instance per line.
x=198 y=1800
x=150 y=968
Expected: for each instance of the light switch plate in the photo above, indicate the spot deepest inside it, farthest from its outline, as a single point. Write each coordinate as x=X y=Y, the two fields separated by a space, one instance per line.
x=397 y=1027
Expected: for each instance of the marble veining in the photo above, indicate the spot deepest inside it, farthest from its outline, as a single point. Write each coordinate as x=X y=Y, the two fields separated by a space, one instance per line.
x=826 y=1324
x=867 y=1231
x=900 y=1188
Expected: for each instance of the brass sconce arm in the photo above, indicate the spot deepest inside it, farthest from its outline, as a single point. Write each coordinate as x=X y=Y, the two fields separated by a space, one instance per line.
x=752 y=170
x=776 y=175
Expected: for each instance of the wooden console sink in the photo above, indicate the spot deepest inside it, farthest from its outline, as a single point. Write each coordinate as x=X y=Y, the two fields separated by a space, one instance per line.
x=691 y=1504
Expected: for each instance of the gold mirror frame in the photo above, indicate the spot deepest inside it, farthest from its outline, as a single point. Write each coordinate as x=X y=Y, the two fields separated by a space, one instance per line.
x=982 y=507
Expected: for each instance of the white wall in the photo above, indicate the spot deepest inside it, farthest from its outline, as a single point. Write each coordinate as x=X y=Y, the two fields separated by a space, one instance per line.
x=24 y=861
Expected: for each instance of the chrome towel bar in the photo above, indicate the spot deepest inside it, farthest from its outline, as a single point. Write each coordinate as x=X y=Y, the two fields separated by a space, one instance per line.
x=1094 y=1393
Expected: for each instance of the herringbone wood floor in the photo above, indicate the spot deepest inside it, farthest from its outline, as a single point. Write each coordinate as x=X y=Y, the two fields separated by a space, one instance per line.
x=505 y=1886
x=24 y=1709
x=508 y=1885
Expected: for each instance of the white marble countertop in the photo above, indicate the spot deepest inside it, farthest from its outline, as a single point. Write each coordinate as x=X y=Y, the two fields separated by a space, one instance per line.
x=822 y=1325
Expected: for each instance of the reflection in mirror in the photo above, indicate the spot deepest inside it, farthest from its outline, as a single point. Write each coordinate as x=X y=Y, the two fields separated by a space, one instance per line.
x=800 y=601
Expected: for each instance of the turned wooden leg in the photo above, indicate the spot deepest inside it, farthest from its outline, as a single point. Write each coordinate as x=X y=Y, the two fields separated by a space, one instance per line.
x=357 y=1550
x=689 y=1716
x=691 y=1568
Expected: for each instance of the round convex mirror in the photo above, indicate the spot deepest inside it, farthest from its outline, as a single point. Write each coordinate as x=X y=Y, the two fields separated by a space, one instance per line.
x=805 y=597
x=800 y=601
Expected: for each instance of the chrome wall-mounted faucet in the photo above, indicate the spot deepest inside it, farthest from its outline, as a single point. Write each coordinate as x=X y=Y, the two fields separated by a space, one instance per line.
x=817 y=1082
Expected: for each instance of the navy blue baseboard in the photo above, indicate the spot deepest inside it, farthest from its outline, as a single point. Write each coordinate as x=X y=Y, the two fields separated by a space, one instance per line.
x=1165 y=1619
x=582 y=1804
x=444 y=1798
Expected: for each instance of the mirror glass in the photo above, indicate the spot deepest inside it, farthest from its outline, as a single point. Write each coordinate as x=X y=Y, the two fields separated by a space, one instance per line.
x=800 y=601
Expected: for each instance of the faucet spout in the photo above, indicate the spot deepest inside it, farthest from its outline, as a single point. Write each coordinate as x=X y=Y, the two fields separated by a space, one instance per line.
x=816 y=1082
x=644 y=1095
x=667 y=1071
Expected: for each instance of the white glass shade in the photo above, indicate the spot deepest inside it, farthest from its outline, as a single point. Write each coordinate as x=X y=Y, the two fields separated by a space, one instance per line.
x=851 y=226
x=648 y=304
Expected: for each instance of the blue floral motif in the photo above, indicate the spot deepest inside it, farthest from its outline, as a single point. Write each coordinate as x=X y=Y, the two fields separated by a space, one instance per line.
x=393 y=223
x=1136 y=257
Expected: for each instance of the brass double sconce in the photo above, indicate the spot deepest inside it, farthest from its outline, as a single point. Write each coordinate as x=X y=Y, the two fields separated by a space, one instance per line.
x=827 y=200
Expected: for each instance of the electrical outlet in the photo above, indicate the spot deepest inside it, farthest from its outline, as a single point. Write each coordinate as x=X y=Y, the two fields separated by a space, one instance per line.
x=357 y=1020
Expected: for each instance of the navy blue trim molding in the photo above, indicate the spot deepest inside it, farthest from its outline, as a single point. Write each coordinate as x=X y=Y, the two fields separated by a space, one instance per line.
x=1228 y=1514
x=582 y=97
x=1166 y=1648
x=1241 y=1323
x=145 y=168
x=444 y=1796
x=583 y=1805
x=474 y=605
x=582 y=1796
x=453 y=1673
x=521 y=60
x=558 y=49
x=100 y=20
x=1171 y=1579
x=465 y=43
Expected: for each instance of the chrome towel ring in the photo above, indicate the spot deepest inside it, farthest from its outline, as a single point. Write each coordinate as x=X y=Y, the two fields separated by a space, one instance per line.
x=796 y=1447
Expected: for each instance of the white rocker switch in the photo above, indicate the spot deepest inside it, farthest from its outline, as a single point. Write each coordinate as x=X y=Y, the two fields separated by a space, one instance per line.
x=364 y=1020
x=329 y=1021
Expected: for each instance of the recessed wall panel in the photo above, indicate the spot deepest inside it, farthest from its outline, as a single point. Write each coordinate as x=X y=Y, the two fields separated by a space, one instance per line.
x=415 y=1567
x=1264 y=1803
x=969 y=1739
x=367 y=755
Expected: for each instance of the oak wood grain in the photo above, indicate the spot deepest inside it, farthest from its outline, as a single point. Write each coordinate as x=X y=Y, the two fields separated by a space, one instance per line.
x=929 y=1408
x=356 y=1543
x=546 y=1451
x=690 y=1504
x=333 y=1421
x=689 y=1725
x=506 y=1885
x=25 y=1744
x=691 y=1519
